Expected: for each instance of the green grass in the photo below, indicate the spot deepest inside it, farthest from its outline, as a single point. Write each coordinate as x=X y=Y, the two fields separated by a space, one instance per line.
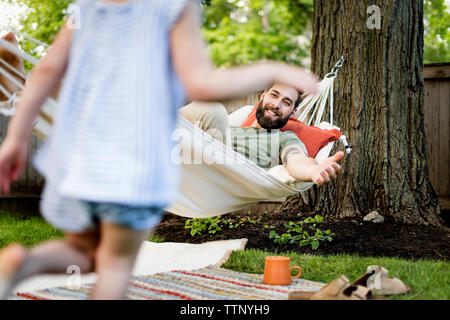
x=30 y=231
x=428 y=279
x=27 y=231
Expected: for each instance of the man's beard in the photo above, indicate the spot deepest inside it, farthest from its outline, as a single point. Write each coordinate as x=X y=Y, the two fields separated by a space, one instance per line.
x=268 y=123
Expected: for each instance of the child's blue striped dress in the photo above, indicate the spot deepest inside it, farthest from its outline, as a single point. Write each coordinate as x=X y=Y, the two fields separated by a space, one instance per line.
x=111 y=140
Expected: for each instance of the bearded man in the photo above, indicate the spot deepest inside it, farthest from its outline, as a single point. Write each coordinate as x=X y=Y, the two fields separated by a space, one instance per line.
x=263 y=142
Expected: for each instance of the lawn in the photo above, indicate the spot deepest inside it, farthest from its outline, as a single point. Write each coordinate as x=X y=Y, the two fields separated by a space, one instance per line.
x=27 y=231
x=428 y=279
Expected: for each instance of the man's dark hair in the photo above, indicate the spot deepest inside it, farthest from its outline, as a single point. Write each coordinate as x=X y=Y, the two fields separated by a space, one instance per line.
x=299 y=99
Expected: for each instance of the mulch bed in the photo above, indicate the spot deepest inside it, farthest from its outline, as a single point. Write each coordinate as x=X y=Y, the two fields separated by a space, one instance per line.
x=352 y=236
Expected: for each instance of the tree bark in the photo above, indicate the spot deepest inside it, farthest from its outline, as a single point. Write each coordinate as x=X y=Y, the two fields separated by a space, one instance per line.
x=379 y=105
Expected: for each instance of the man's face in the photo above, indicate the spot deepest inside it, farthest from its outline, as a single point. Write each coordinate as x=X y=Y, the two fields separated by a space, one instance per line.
x=276 y=106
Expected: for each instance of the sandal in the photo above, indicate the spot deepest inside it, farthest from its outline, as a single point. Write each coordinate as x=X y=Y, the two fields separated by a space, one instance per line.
x=338 y=289
x=376 y=279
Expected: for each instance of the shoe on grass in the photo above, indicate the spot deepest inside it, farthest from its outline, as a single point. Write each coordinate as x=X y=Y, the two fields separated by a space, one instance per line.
x=376 y=279
x=338 y=289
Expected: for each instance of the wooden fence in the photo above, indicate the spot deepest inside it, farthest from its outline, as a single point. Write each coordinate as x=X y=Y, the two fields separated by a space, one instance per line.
x=25 y=193
x=437 y=128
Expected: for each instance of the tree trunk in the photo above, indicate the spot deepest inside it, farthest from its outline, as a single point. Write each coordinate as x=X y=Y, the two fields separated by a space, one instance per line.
x=379 y=105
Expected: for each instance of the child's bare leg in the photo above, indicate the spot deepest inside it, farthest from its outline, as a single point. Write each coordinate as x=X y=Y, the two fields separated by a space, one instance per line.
x=115 y=260
x=11 y=259
x=17 y=263
x=56 y=256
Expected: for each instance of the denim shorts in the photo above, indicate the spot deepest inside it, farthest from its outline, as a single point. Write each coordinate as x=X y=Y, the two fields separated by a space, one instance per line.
x=74 y=215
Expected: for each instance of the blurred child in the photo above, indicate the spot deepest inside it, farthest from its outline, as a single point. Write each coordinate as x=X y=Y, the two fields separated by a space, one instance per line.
x=107 y=164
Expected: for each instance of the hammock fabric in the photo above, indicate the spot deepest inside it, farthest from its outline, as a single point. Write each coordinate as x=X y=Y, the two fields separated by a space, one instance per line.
x=225 y=180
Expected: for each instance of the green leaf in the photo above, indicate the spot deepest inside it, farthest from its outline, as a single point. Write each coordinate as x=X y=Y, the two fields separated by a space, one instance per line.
x=318 y=218
x=308 y=220
x=314 y=244
x=304 y=242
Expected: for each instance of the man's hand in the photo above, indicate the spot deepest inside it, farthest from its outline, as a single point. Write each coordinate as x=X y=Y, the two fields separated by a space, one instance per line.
x=13 y=157
x=327 y=170
x=302 y=168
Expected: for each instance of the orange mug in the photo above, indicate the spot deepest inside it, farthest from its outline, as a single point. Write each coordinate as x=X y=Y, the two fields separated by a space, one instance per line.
x=277 y=271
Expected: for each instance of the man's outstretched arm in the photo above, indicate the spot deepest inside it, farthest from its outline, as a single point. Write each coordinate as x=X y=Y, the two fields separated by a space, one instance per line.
x=302 y=168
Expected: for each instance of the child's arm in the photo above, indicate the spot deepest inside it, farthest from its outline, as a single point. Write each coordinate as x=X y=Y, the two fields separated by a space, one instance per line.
x=203 y=82
x=43 y=81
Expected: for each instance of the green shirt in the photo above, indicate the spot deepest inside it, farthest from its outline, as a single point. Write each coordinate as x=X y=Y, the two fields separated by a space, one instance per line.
x=261 y=146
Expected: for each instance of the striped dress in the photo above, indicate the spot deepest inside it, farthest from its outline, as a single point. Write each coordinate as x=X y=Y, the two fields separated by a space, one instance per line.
x=111 y=140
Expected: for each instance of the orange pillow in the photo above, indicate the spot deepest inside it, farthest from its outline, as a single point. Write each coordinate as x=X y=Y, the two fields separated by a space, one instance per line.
x=314 y=138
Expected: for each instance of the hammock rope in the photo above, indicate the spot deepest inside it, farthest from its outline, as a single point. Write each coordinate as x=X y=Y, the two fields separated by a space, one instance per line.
x=10 y=67
x=31 y=39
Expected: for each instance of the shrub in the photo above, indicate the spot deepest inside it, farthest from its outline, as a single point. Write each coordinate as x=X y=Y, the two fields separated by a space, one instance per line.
x=303 y=232
x=213 y=225
x=200 y=225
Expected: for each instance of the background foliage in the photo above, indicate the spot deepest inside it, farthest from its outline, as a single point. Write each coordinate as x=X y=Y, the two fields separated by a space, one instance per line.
x=42 y=21
x=437 y=36
x=242 y=31
x=239 y=32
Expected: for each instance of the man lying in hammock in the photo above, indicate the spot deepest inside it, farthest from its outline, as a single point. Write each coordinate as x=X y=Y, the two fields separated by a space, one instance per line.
x=260 y=142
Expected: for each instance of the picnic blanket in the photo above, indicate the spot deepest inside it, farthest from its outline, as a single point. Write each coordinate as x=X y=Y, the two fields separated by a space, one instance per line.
x=209 y=283
x=152 y=258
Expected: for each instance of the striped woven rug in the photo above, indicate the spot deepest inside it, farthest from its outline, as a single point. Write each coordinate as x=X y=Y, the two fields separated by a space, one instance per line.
x=202 y=284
